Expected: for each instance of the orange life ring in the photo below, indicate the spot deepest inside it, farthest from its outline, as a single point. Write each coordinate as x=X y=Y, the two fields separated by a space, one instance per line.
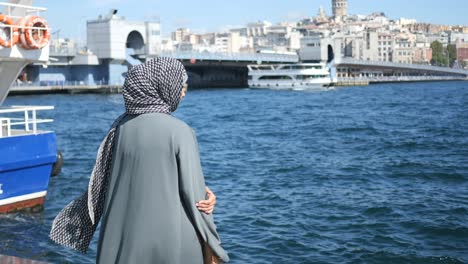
x=14 y=34
x=33 y=38
x=21 y=24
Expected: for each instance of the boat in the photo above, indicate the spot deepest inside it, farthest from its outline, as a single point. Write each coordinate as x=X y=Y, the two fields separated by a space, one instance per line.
x=28 y=155
x=299 y=76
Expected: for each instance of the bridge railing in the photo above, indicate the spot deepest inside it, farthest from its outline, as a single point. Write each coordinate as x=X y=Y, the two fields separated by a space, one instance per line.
x=56 y=83
x=225 y=56
x=400 y=65
x=397 y=78
x=188 y=55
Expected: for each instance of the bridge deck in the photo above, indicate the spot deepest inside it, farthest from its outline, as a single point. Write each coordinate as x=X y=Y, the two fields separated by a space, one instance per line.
x=403 y=66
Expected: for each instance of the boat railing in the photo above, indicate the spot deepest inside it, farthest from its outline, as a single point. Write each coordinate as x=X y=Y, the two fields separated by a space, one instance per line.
x=10 y=28
x=24 y=117
x=8 y=9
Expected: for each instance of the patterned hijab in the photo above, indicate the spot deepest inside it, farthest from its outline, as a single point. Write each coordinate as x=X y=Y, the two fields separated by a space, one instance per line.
x=154 y=86
x=151 y=87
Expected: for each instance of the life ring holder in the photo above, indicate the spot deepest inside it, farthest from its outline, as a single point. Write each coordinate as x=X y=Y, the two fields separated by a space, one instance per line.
x=14 y=34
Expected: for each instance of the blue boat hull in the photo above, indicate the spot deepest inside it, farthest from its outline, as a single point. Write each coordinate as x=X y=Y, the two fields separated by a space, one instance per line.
x=25 y=167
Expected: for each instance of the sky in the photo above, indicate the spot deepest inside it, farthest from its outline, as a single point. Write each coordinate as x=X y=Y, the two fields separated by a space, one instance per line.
x=68 y=17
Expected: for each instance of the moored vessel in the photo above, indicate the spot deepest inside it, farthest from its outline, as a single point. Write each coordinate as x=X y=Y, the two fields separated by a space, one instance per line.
x=299 y=76
x=27 y=154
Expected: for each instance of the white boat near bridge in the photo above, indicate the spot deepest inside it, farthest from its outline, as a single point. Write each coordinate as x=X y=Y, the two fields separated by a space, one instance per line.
x=299 y=76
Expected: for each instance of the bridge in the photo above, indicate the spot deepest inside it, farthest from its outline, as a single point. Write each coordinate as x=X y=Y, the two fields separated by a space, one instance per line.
x=229 y=69
x=349 y=70
x=118 y=45
x=224 y=69
x=238 y=58
x=205 y=69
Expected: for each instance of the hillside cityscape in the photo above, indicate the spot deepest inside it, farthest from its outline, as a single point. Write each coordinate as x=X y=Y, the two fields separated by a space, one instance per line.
x=373 y=37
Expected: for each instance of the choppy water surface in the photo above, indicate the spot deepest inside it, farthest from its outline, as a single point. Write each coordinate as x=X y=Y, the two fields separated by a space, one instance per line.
x=374 y=174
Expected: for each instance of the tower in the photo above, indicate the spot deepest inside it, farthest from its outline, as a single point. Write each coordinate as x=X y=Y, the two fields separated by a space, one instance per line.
x=340 y=8
x=321 y=13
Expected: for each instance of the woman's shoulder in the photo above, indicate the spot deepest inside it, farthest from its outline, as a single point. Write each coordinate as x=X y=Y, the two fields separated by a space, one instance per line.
x=168 y=121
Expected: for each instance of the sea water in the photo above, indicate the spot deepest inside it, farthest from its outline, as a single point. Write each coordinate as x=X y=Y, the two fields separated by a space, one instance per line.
x=375 y=174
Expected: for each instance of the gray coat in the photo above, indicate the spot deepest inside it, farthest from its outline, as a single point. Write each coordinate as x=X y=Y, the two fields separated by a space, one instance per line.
x=156 y=178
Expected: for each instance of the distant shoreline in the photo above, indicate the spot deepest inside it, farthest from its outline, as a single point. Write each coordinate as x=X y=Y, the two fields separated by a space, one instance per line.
x=115 y=89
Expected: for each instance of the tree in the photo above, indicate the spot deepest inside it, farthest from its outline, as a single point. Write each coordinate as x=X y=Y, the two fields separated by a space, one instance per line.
x=439 y=55
x=452 y=52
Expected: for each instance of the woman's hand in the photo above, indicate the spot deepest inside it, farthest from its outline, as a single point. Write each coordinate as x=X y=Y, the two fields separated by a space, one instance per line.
x=207 y=206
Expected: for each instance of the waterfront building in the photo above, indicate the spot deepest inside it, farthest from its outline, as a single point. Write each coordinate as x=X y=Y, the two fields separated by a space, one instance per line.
x=458 y=37
x=320 y=47
x=168 y=45
x=462 y=53
x=277 y=36
x=385 y=46
x=353 y=29
x=404 y=50
x=377 y=20
x=422 y=50
x=194 y=39
x=265 y=35
x=353 y=46
x=442 y=37
x=113 y=40
x=405 y=21
x=183 y=46
x=207 y=39
x=180 y=34
x=222 y=42
x=242 y=31
x=109 y=36
x=460 y=29
x=422 y=55
x=428 y=28
x=234 y=43
x=370 y=48
x=257 y=29
x=295 y=40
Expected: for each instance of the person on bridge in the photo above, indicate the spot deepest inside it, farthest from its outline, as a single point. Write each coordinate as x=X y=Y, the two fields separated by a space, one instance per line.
x=147 y=183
